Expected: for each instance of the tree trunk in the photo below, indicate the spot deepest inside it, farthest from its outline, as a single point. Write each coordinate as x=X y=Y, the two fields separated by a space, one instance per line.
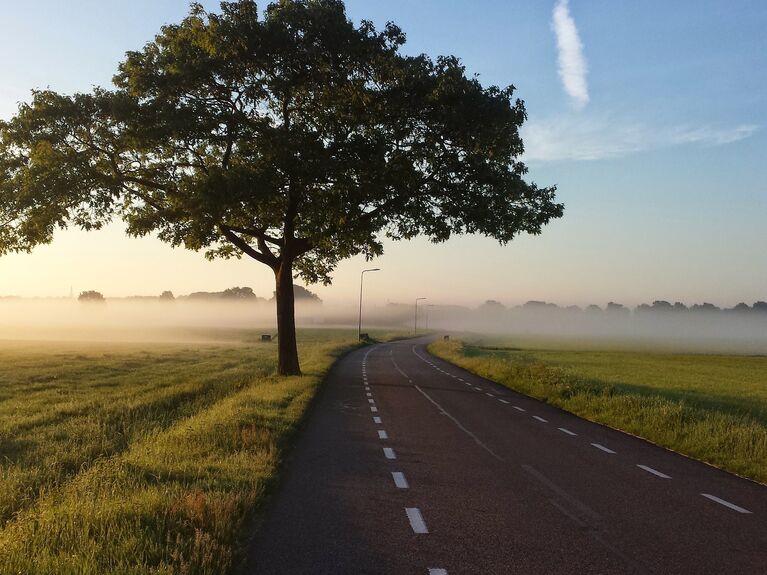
x=287 y=348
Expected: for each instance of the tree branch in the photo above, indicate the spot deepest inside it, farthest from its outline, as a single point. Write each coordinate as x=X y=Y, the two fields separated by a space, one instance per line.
x=268 y=259
x=257 y=233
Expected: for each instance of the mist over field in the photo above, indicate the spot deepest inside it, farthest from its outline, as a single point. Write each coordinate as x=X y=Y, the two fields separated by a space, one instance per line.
x=188 y=320
x=706 y=330
x=137 y=320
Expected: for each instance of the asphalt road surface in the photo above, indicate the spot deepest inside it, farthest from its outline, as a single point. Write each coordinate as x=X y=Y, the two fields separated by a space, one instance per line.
x=409 y=464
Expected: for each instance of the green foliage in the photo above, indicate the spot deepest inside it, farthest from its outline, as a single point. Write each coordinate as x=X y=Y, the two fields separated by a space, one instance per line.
x=140 y=459
x=711 y=407
x=295 y=138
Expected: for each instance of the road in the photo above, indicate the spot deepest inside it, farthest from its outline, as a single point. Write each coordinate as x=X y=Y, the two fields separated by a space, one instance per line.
x=409 y=464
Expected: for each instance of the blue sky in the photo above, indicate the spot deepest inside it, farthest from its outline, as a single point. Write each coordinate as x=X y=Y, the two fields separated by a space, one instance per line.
x=658 y=150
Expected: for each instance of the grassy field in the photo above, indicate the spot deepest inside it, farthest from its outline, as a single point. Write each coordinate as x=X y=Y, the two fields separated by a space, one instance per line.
x=710 y=407
x=128 y=458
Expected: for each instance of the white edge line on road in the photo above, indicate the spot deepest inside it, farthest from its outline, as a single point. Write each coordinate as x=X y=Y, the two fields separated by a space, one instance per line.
x=389 y=453
x=399 y=480
x=382 y=434
x=649 y=469
x=540 y=419
x=567 y=431
x=416 y=520
x=518 y=408
x=603 y=448
x=376 y=420
x=725 y=503
x=437 y=571
x=373 y=409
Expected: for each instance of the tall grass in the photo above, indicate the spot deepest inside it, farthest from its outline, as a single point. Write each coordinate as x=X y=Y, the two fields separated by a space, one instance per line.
x=137 y=460
x=710 y=407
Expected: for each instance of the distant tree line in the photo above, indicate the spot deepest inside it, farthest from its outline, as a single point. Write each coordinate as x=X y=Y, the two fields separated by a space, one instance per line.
x=230 y=294
x=663 y=306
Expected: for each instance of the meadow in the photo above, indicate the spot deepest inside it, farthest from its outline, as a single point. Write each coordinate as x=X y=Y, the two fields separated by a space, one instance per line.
x=145 y=458
x=712 y=407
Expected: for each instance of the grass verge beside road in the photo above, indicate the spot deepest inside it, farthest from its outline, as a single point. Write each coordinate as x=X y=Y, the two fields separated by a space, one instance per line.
x=710 y=407
x=138 y=459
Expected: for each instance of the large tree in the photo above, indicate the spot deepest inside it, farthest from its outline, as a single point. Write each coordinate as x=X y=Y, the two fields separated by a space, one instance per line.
x=290 y=136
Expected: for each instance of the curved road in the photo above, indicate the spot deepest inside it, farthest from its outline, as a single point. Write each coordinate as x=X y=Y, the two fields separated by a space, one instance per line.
x=409 y=464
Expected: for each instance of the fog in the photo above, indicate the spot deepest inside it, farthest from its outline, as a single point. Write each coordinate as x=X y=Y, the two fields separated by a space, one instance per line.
x=536 y=324
x=679 y=330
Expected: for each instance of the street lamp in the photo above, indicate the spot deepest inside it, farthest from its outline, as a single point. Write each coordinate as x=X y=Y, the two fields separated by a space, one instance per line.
x=362 y=276
x=415 y=324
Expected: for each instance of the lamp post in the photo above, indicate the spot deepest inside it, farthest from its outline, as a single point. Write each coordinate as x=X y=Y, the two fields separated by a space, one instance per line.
x=362 y=276
x=415 y=323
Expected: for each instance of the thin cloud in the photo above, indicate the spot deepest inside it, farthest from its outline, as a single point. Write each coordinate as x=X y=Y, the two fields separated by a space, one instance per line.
x=572 y=63
x=708 y=135
x=575 y=137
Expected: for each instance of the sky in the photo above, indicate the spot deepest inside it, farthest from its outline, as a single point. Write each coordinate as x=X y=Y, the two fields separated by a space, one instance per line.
x=649 y=117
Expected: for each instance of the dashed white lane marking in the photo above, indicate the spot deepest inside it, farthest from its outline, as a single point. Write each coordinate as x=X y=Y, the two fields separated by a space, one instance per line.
x=725 y=503
x=503 y=401
x=567 y=431
x=374 y=409
x=369 y=394
x=389 y=453
x=437 y=571
x=477 y=388
x=416 y=520
x=376 y=420
x=489 y=394
x=458 y=424
x=540 y=419
x=603 y=448
x=382 y=434
x=399 y=480
x=649 y=469
x=371 y=400
x=518 y=408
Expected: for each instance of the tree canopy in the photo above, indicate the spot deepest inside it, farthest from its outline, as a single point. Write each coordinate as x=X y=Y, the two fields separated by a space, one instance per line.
x=91 y=296
x=292 y=136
